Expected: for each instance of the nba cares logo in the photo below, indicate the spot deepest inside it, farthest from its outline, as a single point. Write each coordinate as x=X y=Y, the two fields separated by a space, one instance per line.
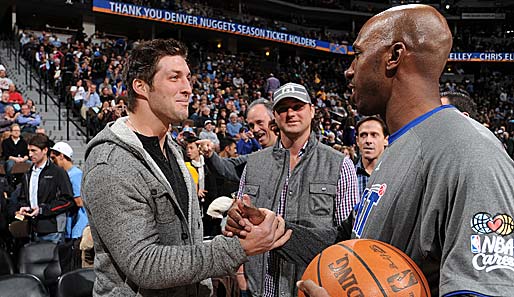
x=484 y=223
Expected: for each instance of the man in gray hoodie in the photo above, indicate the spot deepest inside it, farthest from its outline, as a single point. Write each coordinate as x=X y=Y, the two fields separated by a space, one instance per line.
x=141 y=200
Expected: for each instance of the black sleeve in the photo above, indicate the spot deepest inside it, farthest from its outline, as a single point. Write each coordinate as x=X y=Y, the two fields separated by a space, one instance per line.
x=229 y=168
x=64 y=197
x=305 y=243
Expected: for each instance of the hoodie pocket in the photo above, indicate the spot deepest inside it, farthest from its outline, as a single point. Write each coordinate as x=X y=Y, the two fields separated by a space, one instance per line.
x=164 y=210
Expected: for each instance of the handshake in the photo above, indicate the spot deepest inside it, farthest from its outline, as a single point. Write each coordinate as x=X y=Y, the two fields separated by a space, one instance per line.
x=259 y=230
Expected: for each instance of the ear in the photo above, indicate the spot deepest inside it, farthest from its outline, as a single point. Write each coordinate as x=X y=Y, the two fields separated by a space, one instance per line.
x=313 y=111
x=386 y=142
x=395 y=55
x=140 y=87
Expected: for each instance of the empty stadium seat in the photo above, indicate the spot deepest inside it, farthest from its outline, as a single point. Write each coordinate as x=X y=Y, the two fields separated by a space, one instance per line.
x=77 y=283
x=6 y=264
x=42 y=260
x=22 y=285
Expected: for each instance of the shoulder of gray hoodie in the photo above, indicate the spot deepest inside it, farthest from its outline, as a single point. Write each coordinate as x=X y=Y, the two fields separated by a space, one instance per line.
x=137 y=225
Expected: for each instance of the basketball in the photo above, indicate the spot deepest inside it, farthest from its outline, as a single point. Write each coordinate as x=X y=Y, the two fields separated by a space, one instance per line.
x=364 y=267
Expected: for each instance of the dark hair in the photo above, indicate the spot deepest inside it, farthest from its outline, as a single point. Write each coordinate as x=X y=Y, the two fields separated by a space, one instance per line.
x=372 y=118
x=143 y=60
x=462 y=101
x=39 y=140
x=226 y=142
x=191 y=139
x=59 y=153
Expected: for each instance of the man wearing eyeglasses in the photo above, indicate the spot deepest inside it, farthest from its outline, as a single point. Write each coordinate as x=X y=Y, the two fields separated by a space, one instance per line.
x=311 y=185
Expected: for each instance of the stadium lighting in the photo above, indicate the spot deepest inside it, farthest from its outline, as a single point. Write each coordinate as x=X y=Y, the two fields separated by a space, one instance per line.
x=219 y=45
x=267 y=53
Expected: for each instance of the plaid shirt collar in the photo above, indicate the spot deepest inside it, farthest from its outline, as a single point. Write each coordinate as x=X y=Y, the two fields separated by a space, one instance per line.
x=359 y=168
x=302 y=150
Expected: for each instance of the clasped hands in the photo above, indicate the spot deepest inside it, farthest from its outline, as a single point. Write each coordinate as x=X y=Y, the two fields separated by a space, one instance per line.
x=259 y=230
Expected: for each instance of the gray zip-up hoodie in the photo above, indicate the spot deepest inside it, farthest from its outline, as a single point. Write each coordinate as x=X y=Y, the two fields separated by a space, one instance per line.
x=145 y=246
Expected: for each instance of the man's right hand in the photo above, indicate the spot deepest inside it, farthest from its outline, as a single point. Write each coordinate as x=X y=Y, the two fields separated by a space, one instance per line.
x=238 y=212
x=268 y=235
x=206 y=147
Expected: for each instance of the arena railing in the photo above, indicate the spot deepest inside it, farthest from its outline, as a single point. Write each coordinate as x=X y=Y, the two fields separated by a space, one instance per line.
x=57 y=96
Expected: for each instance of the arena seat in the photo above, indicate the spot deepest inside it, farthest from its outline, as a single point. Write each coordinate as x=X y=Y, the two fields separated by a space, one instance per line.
x=6 y=264
x=77 y=283
x=22 y=285
x=42 y=260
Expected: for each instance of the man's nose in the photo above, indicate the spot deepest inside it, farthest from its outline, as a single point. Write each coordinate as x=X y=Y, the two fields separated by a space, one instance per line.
x=348 y=74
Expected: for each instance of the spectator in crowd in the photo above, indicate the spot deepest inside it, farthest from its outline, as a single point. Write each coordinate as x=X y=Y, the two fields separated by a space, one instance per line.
x=228 y=148
x=76 y=221
x=461 y=101
x=45 y=194
x=78 y=93
x=205 y=115
x=4 y=101
x=222 y=130
x=262 y=125
x=347 y=151
x=156 y=195
x=246 y=143
x=14 y=149
x=106 y=95
x=238 y=81
x=31 y=105
x=272 y=84
x=303 y=155
x=91 y=100
x=331 y=139
x=14 y=95
x=119 y=89
x=106 y=84
x=372 y=140
x=9 y=118
x=401 y=54
x=208 y=133
x=4 y=80
x=233 y=126
x=28 y=120
x=206 y=185
x=261 y=122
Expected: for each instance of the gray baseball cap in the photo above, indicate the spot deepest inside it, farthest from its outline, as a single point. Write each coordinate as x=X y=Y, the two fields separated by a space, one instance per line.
x=291 y=90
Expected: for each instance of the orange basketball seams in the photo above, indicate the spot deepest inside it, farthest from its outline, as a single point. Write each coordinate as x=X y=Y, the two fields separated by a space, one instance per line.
x=363 y=267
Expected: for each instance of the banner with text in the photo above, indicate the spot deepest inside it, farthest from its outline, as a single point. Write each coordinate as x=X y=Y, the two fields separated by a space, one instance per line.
x=481 y=57
x=183 y=19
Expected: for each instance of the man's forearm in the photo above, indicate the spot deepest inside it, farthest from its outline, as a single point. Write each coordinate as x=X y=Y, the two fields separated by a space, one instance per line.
x=226 y=167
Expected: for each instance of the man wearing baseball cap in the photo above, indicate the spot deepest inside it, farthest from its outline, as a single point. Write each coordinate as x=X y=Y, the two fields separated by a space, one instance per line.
x=311 y=185
x=208 y=133
x=61 y=154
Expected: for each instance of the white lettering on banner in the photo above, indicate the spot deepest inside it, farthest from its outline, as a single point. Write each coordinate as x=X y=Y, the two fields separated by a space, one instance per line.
x=180 y=18
x=461 y=56
x=491 y=56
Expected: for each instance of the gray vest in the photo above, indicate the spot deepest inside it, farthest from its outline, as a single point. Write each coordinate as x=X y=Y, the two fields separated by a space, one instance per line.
x=309 y=200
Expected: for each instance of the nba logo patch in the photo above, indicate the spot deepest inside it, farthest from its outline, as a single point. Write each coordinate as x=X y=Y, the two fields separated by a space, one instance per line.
x=475 y=244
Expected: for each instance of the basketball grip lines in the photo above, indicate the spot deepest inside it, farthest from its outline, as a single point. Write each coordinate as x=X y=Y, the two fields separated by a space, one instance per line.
x=365 y=266
x=319 y=275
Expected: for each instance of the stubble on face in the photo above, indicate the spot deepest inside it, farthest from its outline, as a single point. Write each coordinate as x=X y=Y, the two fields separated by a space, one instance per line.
x=171 y=88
